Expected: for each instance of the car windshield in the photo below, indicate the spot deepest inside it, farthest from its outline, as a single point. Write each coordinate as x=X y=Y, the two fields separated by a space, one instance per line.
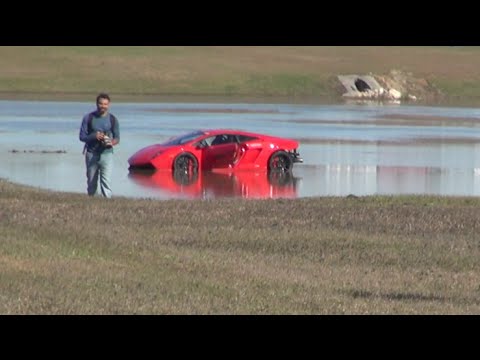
x=183 y=138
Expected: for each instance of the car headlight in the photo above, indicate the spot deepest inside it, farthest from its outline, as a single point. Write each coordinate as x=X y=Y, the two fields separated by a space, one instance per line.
x=156 y=154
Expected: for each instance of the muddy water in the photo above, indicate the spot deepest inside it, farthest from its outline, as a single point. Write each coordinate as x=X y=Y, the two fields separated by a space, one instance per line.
x=348 y=149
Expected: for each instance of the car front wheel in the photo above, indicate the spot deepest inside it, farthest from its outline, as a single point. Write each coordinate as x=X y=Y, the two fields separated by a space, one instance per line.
x=185 y=163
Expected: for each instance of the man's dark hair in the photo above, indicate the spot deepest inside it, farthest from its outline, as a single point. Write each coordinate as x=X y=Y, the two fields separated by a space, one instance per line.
x=103 y=96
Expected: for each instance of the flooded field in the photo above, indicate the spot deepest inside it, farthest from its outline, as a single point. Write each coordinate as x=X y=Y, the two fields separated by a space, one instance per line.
x=347 y=149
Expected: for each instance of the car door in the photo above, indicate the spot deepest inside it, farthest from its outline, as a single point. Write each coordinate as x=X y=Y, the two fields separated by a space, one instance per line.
x=221 y=151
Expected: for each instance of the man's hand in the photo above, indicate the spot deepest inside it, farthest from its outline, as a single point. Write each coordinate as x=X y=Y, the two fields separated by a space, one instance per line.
x=100 y=136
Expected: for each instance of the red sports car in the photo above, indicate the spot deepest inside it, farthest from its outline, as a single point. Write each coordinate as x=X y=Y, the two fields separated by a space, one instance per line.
x=219 y=149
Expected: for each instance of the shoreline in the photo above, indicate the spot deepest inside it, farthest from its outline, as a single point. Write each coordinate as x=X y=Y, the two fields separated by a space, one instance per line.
x=234 y=99
x=25 y=188
x=153 y=98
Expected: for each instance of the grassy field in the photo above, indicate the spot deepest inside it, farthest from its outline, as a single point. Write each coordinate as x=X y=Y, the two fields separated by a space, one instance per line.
x=131 y=73
x=69 y=254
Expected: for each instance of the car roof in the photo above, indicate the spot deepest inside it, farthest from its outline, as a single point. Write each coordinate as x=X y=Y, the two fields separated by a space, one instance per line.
x=230 y=131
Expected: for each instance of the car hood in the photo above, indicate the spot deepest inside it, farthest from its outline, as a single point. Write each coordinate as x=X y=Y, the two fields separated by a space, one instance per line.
x=145 y=155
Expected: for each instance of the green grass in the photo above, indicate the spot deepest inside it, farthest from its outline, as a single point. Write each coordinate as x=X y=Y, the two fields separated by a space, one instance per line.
x=460 y=89
x=130 y=72
x=70 y=254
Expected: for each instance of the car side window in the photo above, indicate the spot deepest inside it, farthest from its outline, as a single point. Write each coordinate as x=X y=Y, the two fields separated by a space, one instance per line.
x=208 y=141
x=223 y=139
x=245 y=138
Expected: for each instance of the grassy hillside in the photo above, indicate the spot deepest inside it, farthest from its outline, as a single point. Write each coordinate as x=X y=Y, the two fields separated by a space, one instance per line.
x=50 y=72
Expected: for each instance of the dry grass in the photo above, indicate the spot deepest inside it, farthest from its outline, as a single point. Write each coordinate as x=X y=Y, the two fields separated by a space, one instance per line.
x=129 y=72
x=70 y=254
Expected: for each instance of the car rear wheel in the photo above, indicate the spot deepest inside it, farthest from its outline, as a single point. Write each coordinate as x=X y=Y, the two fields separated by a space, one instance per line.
x=186 y=163
x=280 y=161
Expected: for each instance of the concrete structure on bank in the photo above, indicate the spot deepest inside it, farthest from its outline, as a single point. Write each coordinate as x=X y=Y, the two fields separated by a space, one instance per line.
x=366 y=87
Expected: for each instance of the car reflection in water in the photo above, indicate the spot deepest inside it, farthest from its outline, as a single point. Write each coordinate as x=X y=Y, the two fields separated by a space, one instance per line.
x=210 y=184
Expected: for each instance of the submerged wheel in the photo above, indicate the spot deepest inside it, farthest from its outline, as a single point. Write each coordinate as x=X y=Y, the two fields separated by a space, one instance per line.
x=280 y=161
x=185 y=162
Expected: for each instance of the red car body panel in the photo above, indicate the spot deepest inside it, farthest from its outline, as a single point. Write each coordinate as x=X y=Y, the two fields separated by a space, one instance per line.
x=251 y=153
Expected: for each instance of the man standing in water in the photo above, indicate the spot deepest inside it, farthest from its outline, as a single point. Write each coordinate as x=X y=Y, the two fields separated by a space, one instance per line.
x=99 y=131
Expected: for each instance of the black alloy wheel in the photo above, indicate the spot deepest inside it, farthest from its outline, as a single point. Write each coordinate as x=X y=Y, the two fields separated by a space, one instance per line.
x=280 y=161
x=186 y=163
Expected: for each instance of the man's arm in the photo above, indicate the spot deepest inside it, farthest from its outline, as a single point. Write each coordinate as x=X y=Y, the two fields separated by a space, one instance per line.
x=115 y=132
x=83 y=135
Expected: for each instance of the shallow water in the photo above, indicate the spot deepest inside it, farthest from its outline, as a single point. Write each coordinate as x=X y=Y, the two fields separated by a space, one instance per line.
x=347 y=149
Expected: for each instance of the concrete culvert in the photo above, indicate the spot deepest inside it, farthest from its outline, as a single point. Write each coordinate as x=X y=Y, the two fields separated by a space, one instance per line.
x=361 y=85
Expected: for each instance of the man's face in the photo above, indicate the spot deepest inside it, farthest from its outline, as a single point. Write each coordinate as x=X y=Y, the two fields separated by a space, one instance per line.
x=102 y=105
